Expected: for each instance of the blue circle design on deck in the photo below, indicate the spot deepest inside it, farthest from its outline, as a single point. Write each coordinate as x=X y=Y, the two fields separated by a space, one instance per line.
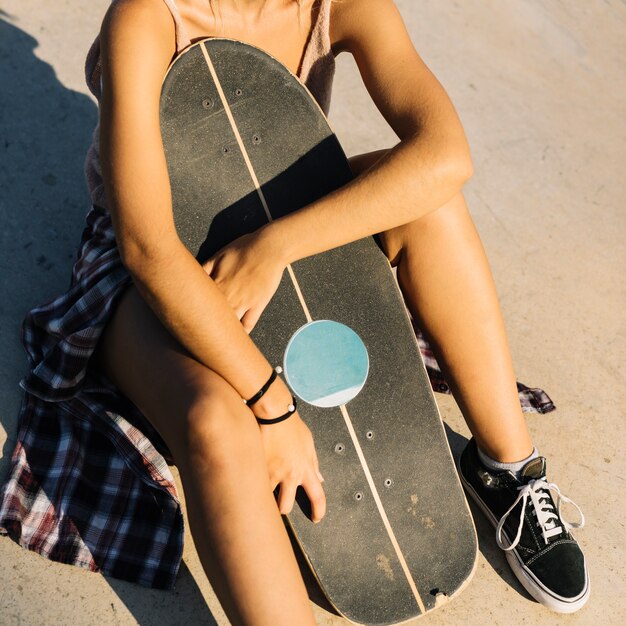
x=326 y=363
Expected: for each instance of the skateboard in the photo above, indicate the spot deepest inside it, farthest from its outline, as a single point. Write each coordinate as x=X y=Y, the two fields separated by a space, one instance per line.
x=245 y=143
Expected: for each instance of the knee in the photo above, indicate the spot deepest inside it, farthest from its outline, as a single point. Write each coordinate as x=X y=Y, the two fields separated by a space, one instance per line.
x=396 y=240
x=218 y=429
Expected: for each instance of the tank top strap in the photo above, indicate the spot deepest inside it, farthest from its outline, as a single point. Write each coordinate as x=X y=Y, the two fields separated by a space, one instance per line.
x=318 y=44
x=318 y=62
x=182 y=37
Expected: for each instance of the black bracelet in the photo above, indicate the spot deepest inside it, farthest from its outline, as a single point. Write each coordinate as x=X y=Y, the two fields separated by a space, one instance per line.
x=291 y=409
x=261 y=392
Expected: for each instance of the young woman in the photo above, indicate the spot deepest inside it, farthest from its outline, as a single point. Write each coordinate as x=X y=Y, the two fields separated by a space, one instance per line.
x=145 y=322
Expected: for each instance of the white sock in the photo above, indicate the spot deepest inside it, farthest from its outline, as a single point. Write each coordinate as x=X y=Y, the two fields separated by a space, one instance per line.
x=515 y=467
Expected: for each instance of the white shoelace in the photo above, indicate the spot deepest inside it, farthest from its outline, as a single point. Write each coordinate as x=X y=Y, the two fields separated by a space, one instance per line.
x=549 y=521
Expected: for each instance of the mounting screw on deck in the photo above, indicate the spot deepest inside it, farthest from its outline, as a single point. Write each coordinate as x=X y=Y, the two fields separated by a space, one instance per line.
x=340 y=448
x=208 y=103
x=388 y=482
x=256 y=139
x=369 y=434
x=238 y=92
x=358 y=496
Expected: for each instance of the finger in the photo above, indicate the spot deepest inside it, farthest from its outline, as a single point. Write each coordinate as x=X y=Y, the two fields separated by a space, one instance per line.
x=275 y=490
x=274 y=482
x=208 y=266
x=249 y=319
x=316 y=464
x=317 y=498
x=287 y=496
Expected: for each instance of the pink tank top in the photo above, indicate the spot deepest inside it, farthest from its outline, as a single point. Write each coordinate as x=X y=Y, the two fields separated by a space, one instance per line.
x=316 y=71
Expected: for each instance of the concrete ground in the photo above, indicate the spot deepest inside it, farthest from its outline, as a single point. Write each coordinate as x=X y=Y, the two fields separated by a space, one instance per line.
x=541 y=89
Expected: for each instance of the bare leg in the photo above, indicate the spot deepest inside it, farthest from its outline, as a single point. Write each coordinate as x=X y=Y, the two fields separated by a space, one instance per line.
x=215 y=441
x=448 y=287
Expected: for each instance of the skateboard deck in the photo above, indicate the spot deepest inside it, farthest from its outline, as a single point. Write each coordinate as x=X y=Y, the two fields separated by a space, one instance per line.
x=245 y=143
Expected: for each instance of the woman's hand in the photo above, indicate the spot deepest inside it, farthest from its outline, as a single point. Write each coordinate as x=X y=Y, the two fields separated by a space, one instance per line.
x=292 y=461
x=248 y=272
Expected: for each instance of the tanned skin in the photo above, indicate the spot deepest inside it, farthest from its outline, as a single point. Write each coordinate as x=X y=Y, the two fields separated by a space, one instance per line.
x=178 y=344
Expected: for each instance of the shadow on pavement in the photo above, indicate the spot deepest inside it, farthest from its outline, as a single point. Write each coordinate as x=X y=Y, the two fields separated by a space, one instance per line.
x=45 y=131
x=153 y=607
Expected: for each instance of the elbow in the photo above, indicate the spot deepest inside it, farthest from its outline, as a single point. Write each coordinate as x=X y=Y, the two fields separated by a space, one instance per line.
x=134 y=255
x=465 y=169
x=464 y=161
x=456 y=166
x=143 y=259
x=447 y=157
x=460 y=159
x=131 y=254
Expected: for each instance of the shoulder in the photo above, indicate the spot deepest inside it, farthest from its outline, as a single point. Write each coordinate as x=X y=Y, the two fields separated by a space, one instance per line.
x=123 y=13
x=136 y=25
x=403 y=88
x=354 y=23
x=137 y=44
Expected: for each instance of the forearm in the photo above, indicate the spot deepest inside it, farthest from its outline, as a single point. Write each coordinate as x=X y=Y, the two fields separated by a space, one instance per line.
x=176 y=287
x=415 y=177
x=196 y=313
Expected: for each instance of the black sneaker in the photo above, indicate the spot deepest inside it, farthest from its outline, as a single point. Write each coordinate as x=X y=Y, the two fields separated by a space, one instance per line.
x=529 y=528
